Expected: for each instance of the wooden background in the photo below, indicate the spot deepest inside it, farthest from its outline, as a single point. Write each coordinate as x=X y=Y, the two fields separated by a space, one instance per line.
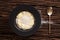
x=6 y=6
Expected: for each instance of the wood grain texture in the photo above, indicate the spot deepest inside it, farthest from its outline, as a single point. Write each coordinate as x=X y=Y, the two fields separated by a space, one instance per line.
x=6 y=6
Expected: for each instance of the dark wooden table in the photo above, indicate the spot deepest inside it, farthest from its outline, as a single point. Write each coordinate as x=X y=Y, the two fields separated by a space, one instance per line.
x=6 y=6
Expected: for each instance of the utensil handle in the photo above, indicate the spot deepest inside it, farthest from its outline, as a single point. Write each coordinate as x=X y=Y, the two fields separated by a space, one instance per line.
x=49 y=24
